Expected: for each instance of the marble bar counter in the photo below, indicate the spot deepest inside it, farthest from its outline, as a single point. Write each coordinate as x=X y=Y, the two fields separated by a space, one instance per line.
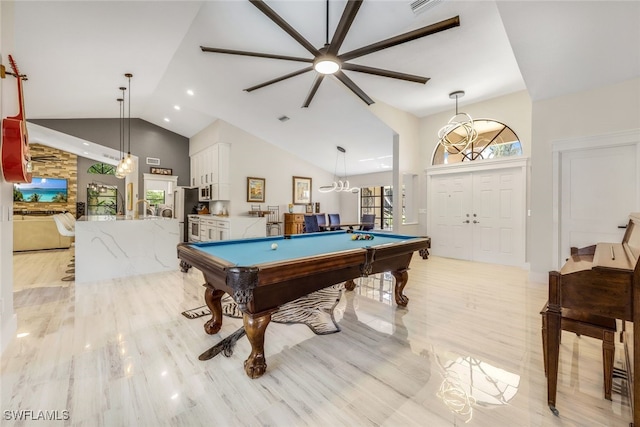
x=108 y=247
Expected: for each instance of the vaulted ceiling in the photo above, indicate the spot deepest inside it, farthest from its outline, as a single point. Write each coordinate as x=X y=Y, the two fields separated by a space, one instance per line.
x=76 y=53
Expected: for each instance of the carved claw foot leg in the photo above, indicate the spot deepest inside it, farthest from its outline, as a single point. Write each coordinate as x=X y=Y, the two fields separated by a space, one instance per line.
x=184 y=267
x=256 y=364
x=212 y=297
x=401 y=280
x=350 y=285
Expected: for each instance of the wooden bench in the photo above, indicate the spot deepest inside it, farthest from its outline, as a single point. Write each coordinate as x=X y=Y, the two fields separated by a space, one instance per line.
x=599 y=327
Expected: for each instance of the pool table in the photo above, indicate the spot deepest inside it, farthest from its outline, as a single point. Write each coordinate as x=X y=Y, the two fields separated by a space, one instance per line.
x=263 y=273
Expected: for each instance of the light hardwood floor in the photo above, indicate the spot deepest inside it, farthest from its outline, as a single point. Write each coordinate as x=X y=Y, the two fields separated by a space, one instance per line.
x=467 y=348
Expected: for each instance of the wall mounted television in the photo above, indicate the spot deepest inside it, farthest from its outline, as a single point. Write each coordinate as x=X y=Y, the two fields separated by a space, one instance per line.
x=43 y=190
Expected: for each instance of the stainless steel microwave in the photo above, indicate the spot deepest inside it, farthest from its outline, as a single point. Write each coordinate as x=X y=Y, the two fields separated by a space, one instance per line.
x=205 y=193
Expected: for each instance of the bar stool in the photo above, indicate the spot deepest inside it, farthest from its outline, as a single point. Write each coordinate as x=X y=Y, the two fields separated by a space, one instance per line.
x=273 y=219
x=65 y=230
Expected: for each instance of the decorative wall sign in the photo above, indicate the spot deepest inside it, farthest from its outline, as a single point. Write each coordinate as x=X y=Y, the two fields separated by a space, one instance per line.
x=301 y=190
x=256 y=189
x=161 y=171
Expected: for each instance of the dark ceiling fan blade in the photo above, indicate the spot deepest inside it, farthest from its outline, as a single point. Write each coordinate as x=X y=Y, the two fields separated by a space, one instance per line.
x=314 y=89
x=354 y=87
x=349 y=14
x=402 y=38
x=285 y=26
x=279 y=79
x=42 y=159
x=384 y=73
x=256 y=54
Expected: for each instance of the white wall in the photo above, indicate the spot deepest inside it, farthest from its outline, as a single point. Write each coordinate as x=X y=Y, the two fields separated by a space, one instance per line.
x=599 y=111
x=8 y=106
x=406 y=144
x=254 y=157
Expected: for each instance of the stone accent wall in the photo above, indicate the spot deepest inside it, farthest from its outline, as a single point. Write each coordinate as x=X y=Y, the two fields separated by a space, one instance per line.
x=63 y=165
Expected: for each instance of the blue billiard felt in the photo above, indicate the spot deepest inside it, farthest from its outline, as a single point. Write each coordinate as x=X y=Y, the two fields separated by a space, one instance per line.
x=248 y=252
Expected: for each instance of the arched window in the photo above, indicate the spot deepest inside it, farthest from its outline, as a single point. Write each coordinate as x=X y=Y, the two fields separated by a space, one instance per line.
x=494 y=140
x=102 y=169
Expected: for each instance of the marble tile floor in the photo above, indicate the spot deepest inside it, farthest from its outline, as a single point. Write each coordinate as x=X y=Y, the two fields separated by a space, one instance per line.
x=466 y=350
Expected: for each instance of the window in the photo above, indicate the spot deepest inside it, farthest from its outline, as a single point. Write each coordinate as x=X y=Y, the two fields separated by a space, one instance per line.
x=379 y=202
x=102 y=200
x=102 y=169
x=494 y=140
x=155 y=197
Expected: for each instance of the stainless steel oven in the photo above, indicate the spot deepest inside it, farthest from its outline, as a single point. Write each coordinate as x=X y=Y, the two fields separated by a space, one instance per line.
x=194 y=228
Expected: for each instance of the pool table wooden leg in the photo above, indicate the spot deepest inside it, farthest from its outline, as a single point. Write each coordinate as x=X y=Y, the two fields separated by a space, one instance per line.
x=212 y=297
x=256 y=364
x=350 y=285
x=401 y=277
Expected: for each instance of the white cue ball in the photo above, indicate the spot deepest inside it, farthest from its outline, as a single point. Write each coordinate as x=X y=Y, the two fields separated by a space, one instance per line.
x=274 y=246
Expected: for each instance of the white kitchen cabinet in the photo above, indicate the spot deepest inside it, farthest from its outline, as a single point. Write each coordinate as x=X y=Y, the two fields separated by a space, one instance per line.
x=220 y=172
x=210 y=167
x=214 y=228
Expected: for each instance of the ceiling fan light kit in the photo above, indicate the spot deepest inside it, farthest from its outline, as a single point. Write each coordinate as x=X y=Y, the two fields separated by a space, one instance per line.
x=328 y=61
x=326 y=64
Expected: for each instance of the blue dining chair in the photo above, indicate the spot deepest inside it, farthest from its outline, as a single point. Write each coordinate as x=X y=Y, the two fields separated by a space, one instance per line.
x=311 y=224
x=334 y=219
x=322 y=221
x=368 y=221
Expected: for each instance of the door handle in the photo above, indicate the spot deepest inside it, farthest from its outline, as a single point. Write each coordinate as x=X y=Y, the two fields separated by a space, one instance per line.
x=622 y=226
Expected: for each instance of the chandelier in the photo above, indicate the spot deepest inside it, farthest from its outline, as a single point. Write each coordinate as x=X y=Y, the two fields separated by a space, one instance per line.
x=458 y=134
x=339 y=185
x=126 y=165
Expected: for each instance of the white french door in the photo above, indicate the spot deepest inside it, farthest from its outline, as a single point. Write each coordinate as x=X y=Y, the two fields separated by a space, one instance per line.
x=478 y=214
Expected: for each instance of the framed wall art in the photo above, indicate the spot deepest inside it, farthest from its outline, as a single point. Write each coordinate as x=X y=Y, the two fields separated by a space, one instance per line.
x=255 y=189
x=160 y=171
x=301 y=190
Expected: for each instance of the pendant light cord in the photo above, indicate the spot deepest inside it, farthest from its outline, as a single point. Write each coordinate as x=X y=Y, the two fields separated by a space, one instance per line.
x=129 y=126
x=327 y=33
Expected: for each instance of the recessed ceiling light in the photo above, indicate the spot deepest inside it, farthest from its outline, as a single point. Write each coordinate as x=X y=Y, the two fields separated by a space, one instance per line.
x=22 y=334
x=189 y=92
x=176 y=107
x=166 y=119
x=85 y=152
x=85 y=143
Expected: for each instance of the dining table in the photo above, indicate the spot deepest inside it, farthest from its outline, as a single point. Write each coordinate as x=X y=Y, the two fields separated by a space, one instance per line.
x=342 y=226
x=259 y=213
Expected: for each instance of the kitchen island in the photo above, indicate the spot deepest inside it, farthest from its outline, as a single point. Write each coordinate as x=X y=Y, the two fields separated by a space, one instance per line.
x=108 y=247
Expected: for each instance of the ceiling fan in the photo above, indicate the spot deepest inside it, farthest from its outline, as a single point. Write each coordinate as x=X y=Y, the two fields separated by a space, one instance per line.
x=327 y=61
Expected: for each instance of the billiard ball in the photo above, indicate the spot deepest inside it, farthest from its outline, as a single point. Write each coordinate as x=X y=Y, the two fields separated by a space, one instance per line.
x=274 y=246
